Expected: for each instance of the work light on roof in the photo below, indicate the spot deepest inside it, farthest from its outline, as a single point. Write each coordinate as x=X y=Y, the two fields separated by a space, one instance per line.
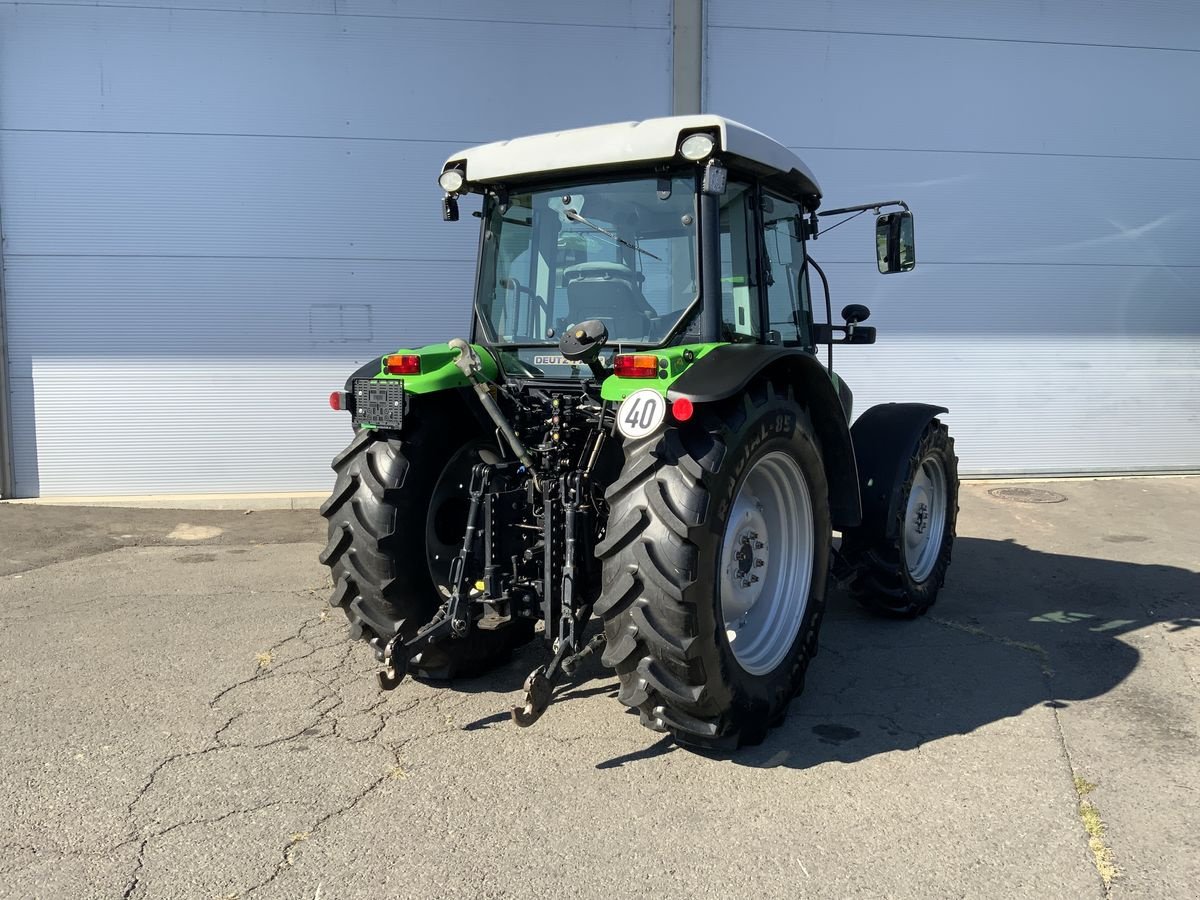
x=696 y=147
x=452 y=181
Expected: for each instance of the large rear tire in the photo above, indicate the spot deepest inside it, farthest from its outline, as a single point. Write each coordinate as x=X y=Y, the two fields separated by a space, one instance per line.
x=394 y=522
x=901 y=576
x=714 y=570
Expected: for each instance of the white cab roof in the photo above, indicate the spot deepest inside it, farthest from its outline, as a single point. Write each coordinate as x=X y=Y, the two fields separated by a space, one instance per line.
x=624 y=143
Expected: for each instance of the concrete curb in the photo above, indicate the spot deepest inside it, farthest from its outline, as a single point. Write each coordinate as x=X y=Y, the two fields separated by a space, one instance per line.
x=314 y=499
x=302 y=500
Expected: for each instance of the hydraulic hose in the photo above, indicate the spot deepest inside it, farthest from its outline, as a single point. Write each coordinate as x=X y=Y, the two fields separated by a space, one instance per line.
x=468 y=363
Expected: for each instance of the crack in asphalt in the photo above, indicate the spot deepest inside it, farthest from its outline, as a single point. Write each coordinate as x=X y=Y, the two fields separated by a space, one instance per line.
x=287 y=860
x=329 y=719
x=261 y=671
x=217 y=744
x=1070 y=764
x=135 y=878
x=1036 y=649
x=1072 y=771
x=1174 y=654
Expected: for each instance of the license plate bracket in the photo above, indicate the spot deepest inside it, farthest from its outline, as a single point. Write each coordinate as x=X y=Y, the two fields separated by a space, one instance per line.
x=379 y=402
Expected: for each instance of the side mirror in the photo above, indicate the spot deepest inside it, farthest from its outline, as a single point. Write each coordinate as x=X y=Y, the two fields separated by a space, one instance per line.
x=895 y=247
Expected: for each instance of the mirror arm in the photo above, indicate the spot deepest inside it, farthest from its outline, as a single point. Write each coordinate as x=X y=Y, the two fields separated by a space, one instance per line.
x=863 y=207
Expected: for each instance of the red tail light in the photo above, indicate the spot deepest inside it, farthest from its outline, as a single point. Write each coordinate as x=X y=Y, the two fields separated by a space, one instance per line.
x=402 y=364
x=339 y=400
x=636 y=366
x=682 y=409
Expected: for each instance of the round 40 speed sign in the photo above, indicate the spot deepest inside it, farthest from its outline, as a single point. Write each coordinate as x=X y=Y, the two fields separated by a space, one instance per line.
x=641 y=413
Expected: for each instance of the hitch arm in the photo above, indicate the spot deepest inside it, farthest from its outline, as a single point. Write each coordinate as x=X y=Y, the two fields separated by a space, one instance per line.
x=539 y=686
x=453 y=618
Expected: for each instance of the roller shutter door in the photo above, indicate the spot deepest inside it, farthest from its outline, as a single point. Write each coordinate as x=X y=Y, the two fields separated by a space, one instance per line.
x=1052 y=160
x=215 y=211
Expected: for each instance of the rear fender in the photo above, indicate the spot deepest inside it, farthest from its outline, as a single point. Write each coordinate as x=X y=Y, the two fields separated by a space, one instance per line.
x=728 y=370
x=440 y=389
x=885 y=437
x=438 y=371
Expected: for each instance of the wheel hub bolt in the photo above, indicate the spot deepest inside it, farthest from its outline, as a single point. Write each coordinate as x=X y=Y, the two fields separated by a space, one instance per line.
x=922 y=518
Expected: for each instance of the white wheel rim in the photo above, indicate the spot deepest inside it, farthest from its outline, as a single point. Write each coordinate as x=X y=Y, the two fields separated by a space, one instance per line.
x=766 y=561
x=925 y=519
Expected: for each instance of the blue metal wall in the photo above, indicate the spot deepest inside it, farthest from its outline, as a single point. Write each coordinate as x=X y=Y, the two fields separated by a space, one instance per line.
x=216 y=210
x=1051 y=154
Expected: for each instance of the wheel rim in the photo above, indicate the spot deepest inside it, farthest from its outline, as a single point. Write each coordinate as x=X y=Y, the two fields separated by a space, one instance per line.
x=767 y=563
x=925 y=519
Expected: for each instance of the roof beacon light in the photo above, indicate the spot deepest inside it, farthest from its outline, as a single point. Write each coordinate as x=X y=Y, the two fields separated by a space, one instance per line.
x=696 y=147
x=452 y=181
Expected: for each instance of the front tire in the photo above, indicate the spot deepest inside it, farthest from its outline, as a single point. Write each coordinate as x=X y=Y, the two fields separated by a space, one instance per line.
x=901 y=576
x=715 y=564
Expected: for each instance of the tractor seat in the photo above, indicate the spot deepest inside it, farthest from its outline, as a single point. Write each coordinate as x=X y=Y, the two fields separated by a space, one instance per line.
x=608 y=292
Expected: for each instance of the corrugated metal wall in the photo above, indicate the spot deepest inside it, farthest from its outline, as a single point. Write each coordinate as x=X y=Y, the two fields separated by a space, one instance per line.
x=1051 y=154
x=214 y=211
x=214 y=214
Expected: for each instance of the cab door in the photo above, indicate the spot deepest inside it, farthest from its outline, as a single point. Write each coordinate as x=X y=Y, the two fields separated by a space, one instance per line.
x=788 y=307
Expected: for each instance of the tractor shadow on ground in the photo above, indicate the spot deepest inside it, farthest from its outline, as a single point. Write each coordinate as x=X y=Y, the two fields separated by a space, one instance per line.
x=1014 y=628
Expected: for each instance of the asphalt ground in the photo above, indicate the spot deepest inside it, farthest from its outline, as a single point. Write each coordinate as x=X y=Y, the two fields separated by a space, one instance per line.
x=184 y=717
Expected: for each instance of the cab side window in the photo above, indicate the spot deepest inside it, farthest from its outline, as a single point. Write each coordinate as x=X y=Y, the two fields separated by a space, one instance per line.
x=739 y=301
x=788 y=307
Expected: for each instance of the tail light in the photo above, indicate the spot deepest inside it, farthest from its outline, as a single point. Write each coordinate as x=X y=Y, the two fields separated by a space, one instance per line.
x=402 y=364
x=682 y=409
x=339 y=400
x=636 y=366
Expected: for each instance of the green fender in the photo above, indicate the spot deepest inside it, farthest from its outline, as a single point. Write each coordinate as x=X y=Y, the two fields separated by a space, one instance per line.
x=438 y=372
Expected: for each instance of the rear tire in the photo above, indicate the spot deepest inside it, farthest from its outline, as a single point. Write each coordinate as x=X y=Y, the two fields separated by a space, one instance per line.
x=380 y=548
x=901 y=576
x=667 y=559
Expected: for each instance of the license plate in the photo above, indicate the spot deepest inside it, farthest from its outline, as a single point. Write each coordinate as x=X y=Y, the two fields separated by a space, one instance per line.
x=379 y=402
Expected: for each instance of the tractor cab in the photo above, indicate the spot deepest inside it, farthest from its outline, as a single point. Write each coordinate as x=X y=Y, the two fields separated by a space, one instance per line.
x=669 y=232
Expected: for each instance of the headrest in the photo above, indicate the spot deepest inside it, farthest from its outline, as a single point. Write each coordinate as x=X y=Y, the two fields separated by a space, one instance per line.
x=601 y=270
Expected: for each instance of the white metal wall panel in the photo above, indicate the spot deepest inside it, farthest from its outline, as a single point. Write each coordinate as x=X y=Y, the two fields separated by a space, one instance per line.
x=214 y=214
x=1051 y=164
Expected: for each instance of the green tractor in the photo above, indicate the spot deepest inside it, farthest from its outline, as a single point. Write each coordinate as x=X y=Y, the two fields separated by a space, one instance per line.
x=639 y=428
